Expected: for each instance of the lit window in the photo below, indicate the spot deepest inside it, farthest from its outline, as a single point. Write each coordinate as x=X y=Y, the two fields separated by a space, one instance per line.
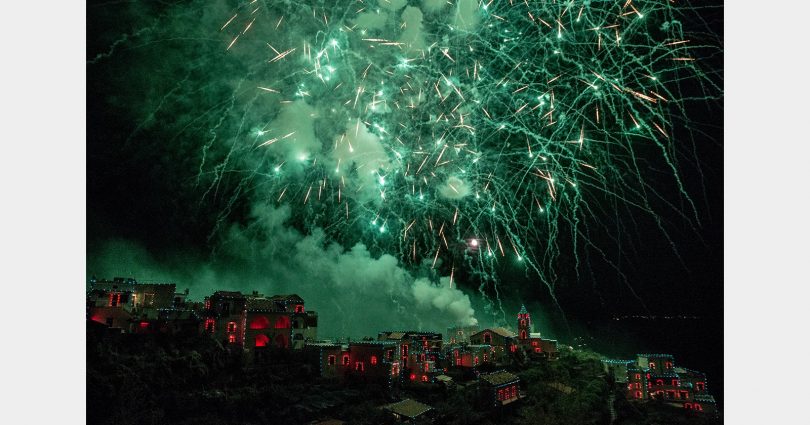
x=638 y=376
x=299 y=308
x=522 y=323
x=536 y=349
x=522 y=334
x=345 y=359
x=422 y=357
x=455 y=353
x=674 y=382
x=669 y=365
x=476 y=360
x=232 y=338
x=638 y=394
x=485 y=358
x=698 y=407
x=458 y=361
x=358 y=366
x=638 y=385
x=701 y=386
x=373 y=359
x=209 y=325
x=534 y=343
x=659 y=382
x=500 y=395
x=331 y=360
x=424 y=378
x=652 y=365
x=395 y=369
x=231 y=326
x=687 y=406
x=413 y=376
x=512 y=348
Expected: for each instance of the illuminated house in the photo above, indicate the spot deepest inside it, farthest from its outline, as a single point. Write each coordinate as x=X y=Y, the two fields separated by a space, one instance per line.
x=460 y=334
x=420 y=353
x=135 y=307
x=258 y=323
x=500 y=339
x=499 y=388
x=468 y=355
x=655 y=377
x=367 y=361
x=531 y=342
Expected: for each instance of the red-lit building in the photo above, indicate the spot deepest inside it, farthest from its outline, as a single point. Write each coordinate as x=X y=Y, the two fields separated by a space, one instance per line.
x=134 y=307
x=368 y=361
x=501 y=341
x=421 y=354
x=499 y=388
x=460 y=334
x=655 y=377
x=258 y=323
x=533 y=343
x=468 y=355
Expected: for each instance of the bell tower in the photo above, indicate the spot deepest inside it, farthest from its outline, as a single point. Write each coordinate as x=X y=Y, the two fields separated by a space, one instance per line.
x=524 y=324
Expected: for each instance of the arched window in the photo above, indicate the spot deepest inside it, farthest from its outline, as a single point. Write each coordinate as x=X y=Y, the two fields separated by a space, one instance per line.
x=373 y=359
x=522 y=323
x=638 y=394
x=262 y=340
x=231 y=326
x=345 y=360
x=424 y=378
x=283 y=322
x=260 y=322
x=652 y=365
x=522 y=334
x=487 y=338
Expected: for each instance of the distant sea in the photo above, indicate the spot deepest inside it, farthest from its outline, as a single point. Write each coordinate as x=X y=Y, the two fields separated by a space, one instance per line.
x=696 y=342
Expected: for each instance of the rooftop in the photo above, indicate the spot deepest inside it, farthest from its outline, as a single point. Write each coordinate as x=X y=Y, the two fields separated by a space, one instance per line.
x=499 y=378
x=408 y=408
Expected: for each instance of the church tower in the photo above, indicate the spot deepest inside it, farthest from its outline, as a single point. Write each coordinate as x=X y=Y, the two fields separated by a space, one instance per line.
x=524 y=324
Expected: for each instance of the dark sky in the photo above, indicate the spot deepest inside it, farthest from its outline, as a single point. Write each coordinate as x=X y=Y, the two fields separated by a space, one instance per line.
x=164 y=104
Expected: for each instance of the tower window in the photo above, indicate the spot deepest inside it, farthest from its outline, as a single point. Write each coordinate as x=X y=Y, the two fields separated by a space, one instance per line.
x=231 y=326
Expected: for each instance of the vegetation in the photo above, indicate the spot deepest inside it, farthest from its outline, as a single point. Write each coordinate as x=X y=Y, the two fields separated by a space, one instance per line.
x=153 y=379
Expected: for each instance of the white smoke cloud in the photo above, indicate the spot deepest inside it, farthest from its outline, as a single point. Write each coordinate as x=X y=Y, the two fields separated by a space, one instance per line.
x=358 y=149
x=354 y=292
x=454 y=188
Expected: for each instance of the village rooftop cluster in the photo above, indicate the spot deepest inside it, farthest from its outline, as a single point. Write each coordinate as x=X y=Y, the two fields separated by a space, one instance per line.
x=263 y=325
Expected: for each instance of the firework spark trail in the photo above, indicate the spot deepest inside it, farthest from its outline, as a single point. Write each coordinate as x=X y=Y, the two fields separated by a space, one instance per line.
x=497 y=122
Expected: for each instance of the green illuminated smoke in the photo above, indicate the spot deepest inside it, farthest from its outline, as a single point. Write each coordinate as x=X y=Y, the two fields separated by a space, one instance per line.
x=457 y=135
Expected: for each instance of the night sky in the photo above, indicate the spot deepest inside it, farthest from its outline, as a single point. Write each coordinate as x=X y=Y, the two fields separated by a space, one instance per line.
x=176 y=191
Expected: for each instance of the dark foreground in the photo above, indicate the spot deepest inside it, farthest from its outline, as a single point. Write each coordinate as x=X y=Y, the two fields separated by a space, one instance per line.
x=150 y=379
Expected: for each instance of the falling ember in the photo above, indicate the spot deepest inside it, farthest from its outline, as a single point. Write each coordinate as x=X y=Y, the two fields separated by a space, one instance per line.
x=442 y=130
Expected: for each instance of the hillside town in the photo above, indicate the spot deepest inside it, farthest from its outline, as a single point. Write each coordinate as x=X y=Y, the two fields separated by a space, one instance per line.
x=260 y=327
